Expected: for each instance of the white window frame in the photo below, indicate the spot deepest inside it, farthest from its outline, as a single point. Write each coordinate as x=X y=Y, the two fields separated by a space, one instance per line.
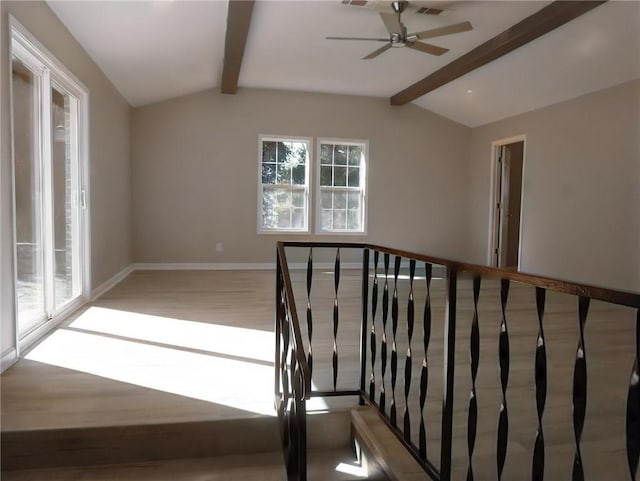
x=305 y=189
x=363 y=186
x=55 y=74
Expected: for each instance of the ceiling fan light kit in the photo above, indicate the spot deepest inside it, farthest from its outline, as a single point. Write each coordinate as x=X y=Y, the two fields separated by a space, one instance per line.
x=398 y=36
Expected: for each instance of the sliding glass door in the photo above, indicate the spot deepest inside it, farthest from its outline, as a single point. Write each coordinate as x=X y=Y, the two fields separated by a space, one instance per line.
x=47 y=190
x=28 y=191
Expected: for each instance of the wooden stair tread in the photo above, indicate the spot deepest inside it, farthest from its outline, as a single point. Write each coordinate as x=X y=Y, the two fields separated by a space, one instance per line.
x=382 y=448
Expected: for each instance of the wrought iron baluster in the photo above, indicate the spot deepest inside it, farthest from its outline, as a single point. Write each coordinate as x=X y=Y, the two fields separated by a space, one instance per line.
x=385 y=315
x=537 y=469
x=474 y=356
x=633 y=409
x=394 y=346
x=407 y=362
x=364 y=327
x=374 y=309
x=449 y=374
x=309 y=312
x=580 y=389
x=300 y=420
x=503 y=354
x=284 y=372
x=336 y=312
x=424 y=374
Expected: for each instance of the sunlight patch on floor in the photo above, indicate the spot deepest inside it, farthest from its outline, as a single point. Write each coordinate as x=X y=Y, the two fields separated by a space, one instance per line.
x=243 y=381
x=214 y=338
x=239 y=384
x=354 y=469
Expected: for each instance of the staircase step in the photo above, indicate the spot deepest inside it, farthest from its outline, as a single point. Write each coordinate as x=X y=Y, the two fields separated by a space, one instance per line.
x=95 y=446
x=263 y=466
x=51 y=448
x=332 y=465
x=381 y=449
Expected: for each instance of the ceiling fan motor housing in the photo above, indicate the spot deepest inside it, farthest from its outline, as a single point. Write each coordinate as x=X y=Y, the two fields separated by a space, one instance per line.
x=399 y=7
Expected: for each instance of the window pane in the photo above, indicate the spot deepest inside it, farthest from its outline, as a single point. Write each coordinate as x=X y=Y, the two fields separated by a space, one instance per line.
x=325 y=219
x=299 y=177
x=268 y=173
x=284 y=218
x=340 y=179
x=325 y=153
x=268 y=151
x=339 y=219
x=299 y=153
x=340 y=154
x=298 y=199
x=65 y=205
x=353 y=220
x=28 y=199
x=355 y=151
x=298 y=219
x=269 y=203
x=325 y=175
x=340 y=200
x=284 y=151
x=354 y=177
x=354 y=200
x=284 y=173
x=325 y=200
x=284 y=198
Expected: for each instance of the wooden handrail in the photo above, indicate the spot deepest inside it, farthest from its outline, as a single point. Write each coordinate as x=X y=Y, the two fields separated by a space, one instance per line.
x=625 y=298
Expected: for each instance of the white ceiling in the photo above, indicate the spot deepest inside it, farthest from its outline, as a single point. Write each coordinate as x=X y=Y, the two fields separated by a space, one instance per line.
x=156 y=50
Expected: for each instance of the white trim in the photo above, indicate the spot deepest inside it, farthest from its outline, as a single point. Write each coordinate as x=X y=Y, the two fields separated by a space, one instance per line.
x=363 y=189
x=109 y=283
x=18 y=32
x=53 y=73
x=36 y=335
x=9 y=358
x=234 y=266
x=285 y=138
x=493 y=197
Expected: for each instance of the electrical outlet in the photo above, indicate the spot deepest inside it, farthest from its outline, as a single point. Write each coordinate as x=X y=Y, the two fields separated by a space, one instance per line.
x=219 y=247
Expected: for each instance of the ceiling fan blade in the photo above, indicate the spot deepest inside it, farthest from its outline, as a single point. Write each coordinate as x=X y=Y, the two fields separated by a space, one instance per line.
x=392 y=22
x=427 y=48
x=441 y=31
x=359 y=38
x=375 y=53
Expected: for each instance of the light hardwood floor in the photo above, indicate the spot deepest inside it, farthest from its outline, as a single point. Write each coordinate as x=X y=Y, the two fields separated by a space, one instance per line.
x=171 y=346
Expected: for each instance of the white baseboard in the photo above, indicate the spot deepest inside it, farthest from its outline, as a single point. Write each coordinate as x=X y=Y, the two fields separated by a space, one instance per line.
x=203 y=266
x=8 y=359
x=105 y=286
x=207 y=266
x=234 y=266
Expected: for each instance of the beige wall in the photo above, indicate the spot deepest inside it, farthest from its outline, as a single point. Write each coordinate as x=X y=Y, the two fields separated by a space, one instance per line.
x=195 y=172
x=581 y=195
x=110 y=165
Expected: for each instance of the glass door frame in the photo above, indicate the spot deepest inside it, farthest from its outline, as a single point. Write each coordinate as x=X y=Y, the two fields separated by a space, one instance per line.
x=53 y=74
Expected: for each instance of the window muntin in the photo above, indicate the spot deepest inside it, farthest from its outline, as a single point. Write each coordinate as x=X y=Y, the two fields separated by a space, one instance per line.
x=284 y=184
x=341 y=186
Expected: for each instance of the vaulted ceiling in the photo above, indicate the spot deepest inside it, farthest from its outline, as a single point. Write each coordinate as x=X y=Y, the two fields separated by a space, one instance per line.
x=154 y=50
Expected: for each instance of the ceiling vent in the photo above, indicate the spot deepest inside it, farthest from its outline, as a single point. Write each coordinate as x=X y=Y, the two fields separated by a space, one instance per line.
x=430 y=11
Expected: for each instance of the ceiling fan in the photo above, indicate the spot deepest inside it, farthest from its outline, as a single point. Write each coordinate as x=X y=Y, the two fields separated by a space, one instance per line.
x=398 y=36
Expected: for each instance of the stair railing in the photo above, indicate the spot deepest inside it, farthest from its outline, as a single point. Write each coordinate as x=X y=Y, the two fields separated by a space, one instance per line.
x=382 y=271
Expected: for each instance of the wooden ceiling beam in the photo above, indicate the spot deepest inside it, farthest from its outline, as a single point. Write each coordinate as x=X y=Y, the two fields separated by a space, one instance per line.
x=238 y=22
x=543 y=21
